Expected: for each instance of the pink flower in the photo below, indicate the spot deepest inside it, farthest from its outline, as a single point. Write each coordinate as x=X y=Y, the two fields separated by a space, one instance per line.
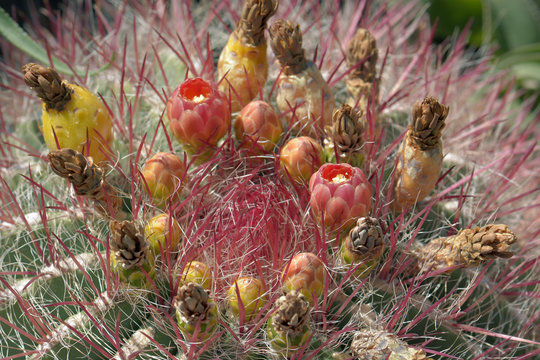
x=199 y=114
x=340 y=194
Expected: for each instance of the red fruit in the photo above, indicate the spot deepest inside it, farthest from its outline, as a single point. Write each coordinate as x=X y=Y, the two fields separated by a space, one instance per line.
x=340 y=194
x=199 y=114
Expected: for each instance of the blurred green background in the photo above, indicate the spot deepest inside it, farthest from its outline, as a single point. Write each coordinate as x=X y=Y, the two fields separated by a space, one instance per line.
x=512 y=26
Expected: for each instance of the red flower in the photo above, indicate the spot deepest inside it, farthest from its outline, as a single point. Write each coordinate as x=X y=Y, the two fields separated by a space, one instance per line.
x=199 y=114
x=340 y=194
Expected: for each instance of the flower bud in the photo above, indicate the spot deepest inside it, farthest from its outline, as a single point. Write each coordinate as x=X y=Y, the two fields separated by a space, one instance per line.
x=199 y=115
x=198 y=273
x=258 y=122
x=305 y=274
x=164 y=177
x=251 y=293
x=300 y=158
x=163 y=234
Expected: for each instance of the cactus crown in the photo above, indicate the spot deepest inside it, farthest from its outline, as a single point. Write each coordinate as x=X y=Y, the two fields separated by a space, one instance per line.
x=48 y=86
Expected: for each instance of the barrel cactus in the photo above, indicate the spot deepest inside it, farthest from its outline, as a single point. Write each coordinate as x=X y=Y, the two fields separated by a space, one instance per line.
x=449 y=271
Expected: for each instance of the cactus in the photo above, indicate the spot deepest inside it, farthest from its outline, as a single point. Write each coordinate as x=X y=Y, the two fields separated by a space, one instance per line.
x=451 y=275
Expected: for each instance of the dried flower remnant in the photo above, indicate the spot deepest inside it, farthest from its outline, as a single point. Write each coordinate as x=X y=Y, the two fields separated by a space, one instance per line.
x=196 y=312
x=302 y=93
x=375 y=344
x=469 y=247
x=362 y=56
x=165 y=176
x=199 y=116
x=340 y=194
x=86 y=177
x=420 y=155
x=72 y=116
x=131 y=259
x=243 y=65
x=364 y=244
x=344 y=140
x=288 y=329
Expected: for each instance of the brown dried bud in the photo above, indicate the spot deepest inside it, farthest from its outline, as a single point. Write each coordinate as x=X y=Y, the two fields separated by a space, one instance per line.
x=129 y=246
x=286 y=42
x=193 y=303
x=86 y=177
x=469 y=247
x=78 y=169
x=48 y=86
x=362 y=52
x=292 y=314
x=367 y=236
x=346 y=131
x=427 y=123
x=255 y=15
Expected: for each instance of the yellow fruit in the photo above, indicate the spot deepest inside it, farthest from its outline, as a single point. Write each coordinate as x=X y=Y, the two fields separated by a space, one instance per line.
x=245 y=69
x=84 y=125
x=306 y=100
x=242 y=66
x=73 y=117
x=420 y=155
